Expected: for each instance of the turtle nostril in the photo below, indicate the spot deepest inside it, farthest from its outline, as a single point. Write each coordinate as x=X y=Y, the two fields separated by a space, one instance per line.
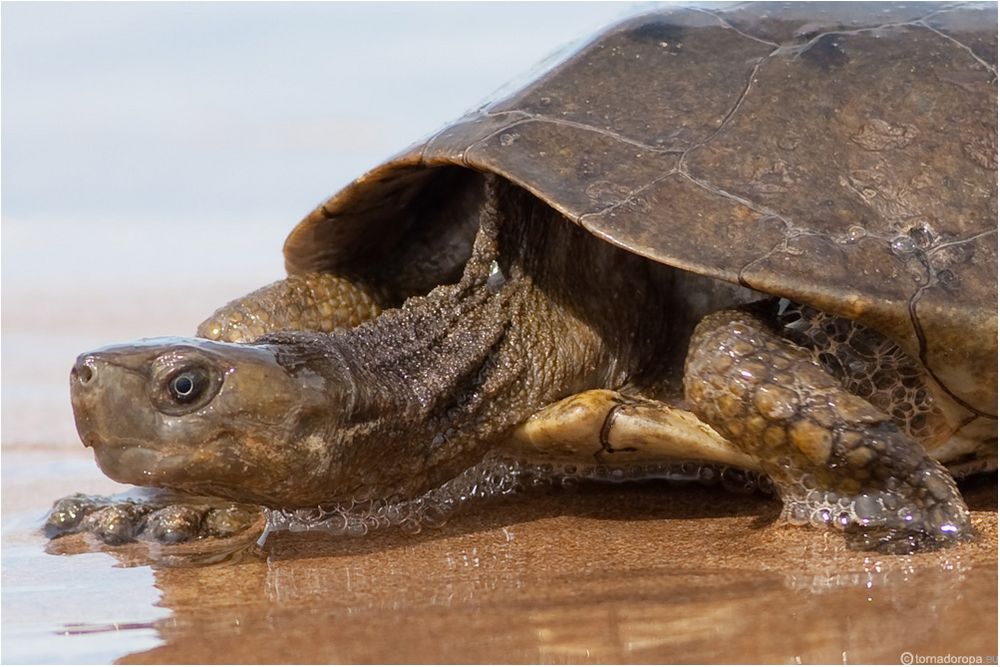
x=83 y=371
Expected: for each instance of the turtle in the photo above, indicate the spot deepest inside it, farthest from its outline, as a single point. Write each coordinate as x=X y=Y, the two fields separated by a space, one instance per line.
x=756 y=240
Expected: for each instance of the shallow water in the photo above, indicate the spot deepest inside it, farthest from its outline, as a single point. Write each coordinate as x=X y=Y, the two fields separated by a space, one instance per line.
x=636 y=576
x=635 y=573
x=179 y=172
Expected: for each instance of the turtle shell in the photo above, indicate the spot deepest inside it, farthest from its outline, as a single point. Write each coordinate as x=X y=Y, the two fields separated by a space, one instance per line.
x=842 y=155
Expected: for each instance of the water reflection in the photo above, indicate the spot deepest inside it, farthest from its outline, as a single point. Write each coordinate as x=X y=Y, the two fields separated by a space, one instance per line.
x=582 y=578
x=72 y=610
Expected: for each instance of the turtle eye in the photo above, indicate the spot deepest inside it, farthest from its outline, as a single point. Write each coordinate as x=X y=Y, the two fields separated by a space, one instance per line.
x=180 y=384
x=187 y=385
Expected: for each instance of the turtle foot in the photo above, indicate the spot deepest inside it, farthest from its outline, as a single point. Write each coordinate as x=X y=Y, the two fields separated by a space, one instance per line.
x=921 y=513
x=165 y=519
x=835 y=459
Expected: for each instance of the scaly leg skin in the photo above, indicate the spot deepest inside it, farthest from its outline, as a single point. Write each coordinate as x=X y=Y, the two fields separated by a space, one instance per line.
x=165 y=519
x=835 y=459
x=306 y=302
x=872 y=367
x=314 y=301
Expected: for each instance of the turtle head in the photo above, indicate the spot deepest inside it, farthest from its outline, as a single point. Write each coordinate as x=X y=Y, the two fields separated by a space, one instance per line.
x=239 y=421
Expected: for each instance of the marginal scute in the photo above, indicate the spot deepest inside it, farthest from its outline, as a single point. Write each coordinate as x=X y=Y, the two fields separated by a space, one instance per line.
x=600 y=173
x=796 y=23
x=739 y=233
x=970 y=371
x=966 y=28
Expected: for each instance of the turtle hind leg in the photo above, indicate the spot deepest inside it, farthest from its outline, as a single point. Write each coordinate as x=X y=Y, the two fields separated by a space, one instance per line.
x=835 y=459
x=306 y=302
x=870 y=366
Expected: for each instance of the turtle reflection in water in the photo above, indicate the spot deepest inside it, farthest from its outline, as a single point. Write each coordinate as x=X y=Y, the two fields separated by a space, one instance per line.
x=761 y=237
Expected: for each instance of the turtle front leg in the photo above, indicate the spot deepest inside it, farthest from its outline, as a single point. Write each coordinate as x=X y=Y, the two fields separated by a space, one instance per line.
x=306 y=302
x=601 y=427
x=835 y=459
x=162 y=517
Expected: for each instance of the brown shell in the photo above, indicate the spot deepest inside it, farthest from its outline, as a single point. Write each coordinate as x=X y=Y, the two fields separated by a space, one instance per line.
x=839 y=154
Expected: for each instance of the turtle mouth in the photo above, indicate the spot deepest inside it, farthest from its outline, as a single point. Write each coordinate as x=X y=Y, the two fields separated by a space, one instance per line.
x=87 y=395
x=86 y=428
x=139 y=463
x=131 y=463
x=103 y=393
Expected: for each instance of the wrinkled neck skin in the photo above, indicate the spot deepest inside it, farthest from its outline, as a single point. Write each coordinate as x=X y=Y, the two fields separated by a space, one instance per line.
x=543 y=310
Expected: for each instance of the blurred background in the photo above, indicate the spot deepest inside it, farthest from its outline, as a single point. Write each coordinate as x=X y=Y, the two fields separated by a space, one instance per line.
x=154 y=156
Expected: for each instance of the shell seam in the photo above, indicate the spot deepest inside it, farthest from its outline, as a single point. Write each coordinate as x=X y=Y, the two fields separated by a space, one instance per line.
x=964 y=47
x=583 y=126
x=727 y=24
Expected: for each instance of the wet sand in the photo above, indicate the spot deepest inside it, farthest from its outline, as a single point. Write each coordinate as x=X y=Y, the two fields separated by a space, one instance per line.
x=640 y=574
x=632 y=573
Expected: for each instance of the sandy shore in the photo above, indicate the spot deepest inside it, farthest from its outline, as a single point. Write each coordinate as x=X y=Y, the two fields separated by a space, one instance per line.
x=637 y=573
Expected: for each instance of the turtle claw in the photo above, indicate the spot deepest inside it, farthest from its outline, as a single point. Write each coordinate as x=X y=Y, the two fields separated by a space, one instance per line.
x=109 y=521
x=173 y=524
x=223 y=522
x=164 y=520
x=67 y=514
x=900 y=542
x=909 y=529
x=921 y=513
x=115 y=523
